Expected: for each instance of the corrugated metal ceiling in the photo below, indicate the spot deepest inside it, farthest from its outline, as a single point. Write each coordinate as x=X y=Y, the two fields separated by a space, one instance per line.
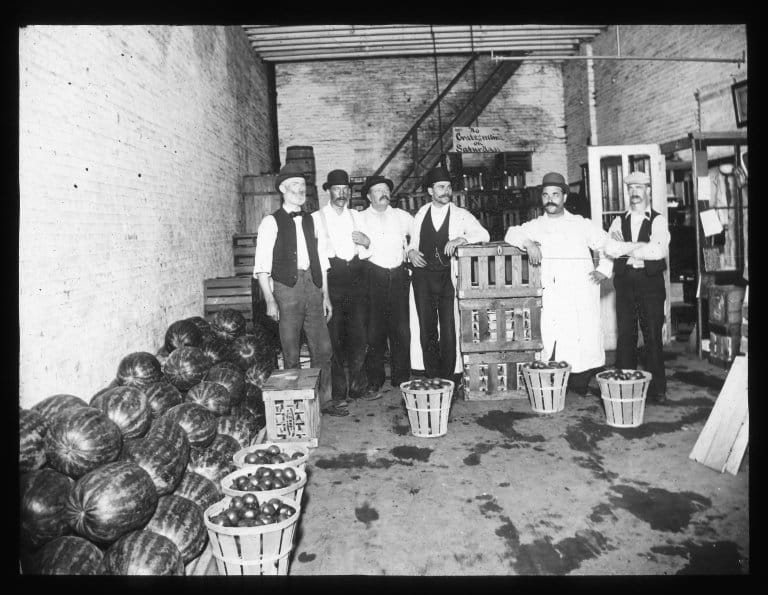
x=276 y=43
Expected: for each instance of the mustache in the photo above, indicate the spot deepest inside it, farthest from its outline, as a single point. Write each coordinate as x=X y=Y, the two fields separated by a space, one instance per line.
x=550 y=204
x=384 y=198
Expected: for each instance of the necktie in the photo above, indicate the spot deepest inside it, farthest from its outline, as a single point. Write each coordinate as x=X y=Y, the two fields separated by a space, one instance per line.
x=296 y=214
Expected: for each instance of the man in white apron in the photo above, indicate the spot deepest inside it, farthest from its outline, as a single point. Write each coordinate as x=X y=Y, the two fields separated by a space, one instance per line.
x=560 y=242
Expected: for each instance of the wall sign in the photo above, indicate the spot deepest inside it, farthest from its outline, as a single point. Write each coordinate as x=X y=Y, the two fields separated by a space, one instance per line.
x=471 y=139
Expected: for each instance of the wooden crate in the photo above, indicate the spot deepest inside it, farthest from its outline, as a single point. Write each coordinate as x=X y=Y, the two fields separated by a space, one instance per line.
x=496 y=270
x=492 y=376
x=723 y=348
x=292 y=407
x=238 y=293
x=725 y=304
x=493 y=324
x=244 y=250
x=257 y=205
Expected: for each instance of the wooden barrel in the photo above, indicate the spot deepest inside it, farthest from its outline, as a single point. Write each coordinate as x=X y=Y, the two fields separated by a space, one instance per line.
x=257 y=205
x=304 y=158
x=259 y=184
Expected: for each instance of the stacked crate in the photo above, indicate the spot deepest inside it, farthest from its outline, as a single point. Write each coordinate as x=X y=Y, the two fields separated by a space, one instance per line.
x=244 y=250
x=237 y=293
x=725 y=314
x=499 y=299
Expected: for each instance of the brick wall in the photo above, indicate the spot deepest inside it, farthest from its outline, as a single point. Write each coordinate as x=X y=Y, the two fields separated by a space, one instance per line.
x=653 y=101
x=354 y=112
x=133 y=142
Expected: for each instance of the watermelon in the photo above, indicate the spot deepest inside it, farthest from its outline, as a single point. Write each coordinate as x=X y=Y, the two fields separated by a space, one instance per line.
x=43 y=494
x=182 y=333
x=143 y=553
x=198 y=422
x=138 y=369
x=186 y=366
x=245 y=350
x=32 y=430
x=217 y=350
x=127 y=407
x=226 y=364
x=171 y=432
x=110 y=501
x=162 y=356
x=231 y=379
x=81 y=439
x=235 y=427
x=253 y=401
x=161 y=396
x=210 y=463
x=181 y=521
x=158 y=457
x=112 y=384
x=211 y=395
x=198 y=489
x=69 y=554
x=257 y=373
x=254 y=420
x=202 y=325
x=54 y=405
x=228 y=324
x=226 y=445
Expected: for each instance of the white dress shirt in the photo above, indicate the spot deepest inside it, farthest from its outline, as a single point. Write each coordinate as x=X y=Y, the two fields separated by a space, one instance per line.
x=336 y=236
x=655 y=249
x=438 y=215
x=388 y=232
x=266 y=235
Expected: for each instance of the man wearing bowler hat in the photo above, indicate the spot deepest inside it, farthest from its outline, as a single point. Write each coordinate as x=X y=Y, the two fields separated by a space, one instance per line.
x=560 y=242
x=439 y=227
x=339 y=227
x=292 y=272
x=639 y=242
x=383 y=241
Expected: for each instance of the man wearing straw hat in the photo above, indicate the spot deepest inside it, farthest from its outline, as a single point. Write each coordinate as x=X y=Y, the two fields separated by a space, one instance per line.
x=639 y=242
x=560 y=242
x=338 y=225
x=292 y=274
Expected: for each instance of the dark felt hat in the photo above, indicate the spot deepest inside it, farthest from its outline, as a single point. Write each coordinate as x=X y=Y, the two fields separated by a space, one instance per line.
x=337 y=177
x=289 y=170
x=554 y=179
x=372 y=181
x=436 y=174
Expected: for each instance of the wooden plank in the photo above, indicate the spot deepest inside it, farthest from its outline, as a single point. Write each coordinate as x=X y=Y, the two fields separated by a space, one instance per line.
x=486 y=346
x=498 y=292
x=733 y=462
x=240 y=240
x=226 y=282
x=482 y=272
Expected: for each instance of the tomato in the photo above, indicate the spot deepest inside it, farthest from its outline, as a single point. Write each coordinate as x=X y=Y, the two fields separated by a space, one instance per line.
x=287 y=510
x=251 y=458
x=237 y=503
x=289 y=474
x=246 y=522
x=277 y=483
x=297 y=455
x=232 y=515
x=273 y=449
x=250 y=501
x=265 y=483
x=562 y=365
x=248 y=513
x=267 y=509
x=240 y=482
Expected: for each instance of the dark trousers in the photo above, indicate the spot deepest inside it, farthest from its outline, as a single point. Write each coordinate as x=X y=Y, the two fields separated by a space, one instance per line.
x=433 y=293
x=347 y=327
x=388 y=320
x=301 y=306
x=641 y=297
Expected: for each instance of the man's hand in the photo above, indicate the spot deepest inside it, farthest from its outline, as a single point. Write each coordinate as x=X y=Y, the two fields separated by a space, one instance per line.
x=597 y=277
x=358 y=237
x=272 y=310
x=450 y=246
x=327 y=307
x=616 y=235
x=534 y=253
x=417 y=258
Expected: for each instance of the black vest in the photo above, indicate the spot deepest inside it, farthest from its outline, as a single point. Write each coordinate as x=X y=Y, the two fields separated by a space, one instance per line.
x=284 y=255
x=652 y=267
x=433 y=242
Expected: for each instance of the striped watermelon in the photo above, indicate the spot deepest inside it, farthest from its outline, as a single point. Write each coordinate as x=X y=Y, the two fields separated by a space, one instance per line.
x=161 y=396
x=43 y=494
x=170 y=431
x=211 y=395
x=182 y=333
x=216 y=349
x=139 y=369
x=236 y=427
x=210 y=463
x=32 y=430
x=231 y=379
x=161 y=459
x=127 y=407
x=200 y=490
x=226 y=445
x=55 y=404
x=198 y=422
x=228 y=324
x=143 y=553
x=110 y=501
x=81 y=439
x=185 y=367
x=69 y=554
x=181 y=521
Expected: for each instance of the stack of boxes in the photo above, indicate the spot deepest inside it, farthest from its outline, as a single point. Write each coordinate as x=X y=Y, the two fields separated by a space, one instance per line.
x=725 y=318
x=499 y=317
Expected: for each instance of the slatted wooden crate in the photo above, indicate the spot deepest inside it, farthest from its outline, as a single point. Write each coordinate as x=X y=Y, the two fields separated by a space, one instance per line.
x=495 y=375
x=496 y=270
x=725 y=304
x=292 y=407
x=494 y=324
x=238 y=293
x=244 y=250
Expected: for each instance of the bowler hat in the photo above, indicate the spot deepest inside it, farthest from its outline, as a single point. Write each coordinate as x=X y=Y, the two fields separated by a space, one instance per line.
x=289 y=170
x=554 y=179
x=372 y=181
x=436 y=174
x=637 y=177
x=337 y=177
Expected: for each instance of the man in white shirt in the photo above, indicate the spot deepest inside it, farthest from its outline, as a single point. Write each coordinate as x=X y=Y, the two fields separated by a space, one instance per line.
x=439 y=227
x=560 y=242
x=347 y=288
x=383 y=241
x=639 y=242
x=292 y=275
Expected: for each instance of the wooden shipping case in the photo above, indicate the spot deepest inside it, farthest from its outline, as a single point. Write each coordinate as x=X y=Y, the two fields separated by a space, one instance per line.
x=292 y=406
x=492 y=376
x=237 y=293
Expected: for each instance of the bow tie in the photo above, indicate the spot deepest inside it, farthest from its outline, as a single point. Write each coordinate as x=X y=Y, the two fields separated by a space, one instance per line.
x=296 y=214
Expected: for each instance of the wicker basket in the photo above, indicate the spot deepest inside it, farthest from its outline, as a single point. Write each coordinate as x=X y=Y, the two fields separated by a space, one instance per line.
x=292 y=492
x=298 y=463
x=262 y=550
x=428 y=409
x=546 y=387
x=624 y=400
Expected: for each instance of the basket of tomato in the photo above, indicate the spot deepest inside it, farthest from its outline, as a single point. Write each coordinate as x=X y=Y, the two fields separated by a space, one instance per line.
x=546 y=384
x=272 y=454
x=266 y=481
x=428 y=402
x=623 y=393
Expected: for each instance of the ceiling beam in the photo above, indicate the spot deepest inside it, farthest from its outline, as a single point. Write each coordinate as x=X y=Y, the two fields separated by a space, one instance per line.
x=480 y=30
x=441 y=48
x=367 y=54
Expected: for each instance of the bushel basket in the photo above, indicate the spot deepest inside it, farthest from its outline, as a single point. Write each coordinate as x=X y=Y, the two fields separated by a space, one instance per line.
x=546 y=387
x=624 y=400
x=428 y=409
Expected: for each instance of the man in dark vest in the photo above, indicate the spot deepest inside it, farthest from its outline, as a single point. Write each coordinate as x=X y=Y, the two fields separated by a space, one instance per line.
x=639 y=243
x=292 y=273
x=439 y=227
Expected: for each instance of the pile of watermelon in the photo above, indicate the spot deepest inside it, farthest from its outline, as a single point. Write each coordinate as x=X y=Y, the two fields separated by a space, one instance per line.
x=118 y=485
